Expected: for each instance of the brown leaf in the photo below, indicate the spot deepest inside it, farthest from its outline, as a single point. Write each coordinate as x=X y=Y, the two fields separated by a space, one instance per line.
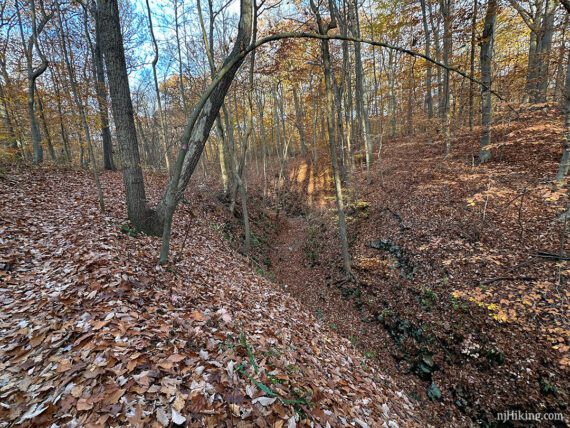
x=84 y=404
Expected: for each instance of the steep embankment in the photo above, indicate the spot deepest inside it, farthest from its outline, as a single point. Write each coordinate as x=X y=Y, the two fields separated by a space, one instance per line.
x=94 y=334
x=455 y=296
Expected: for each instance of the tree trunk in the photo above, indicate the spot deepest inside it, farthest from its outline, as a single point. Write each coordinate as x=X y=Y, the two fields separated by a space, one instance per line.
x=139 y=213
x=41 y=110
x=361 y=107
x=225 y=167
x=563 y=60
x=30 y=45
x=199 y=125
x=330 y=102
x=531 y=68
x=300 y=122
x=12 y=139
x=101 y=91
x=446 y=6
x=64 y=137
x=38 y=156
x=486 y=78
x=179 y=52
x=81 y=108
x=543 y=52
x=429 y=98
x=162 y=132
x=472 y=65
x=565 y=162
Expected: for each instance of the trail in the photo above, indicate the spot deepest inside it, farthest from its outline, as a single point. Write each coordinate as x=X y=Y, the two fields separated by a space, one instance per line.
x=315 y=287
x=324 y=293
x=456 y=228
x=92 y=333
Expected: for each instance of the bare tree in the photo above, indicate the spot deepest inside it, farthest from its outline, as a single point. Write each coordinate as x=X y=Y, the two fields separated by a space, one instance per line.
x=31 y=44
x=323 y=29
x=486 y=77
x=161 y=119
x=429 y=98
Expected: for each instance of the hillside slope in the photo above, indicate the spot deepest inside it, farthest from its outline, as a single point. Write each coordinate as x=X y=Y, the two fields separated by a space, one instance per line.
x=93 y=333
x=459 y=295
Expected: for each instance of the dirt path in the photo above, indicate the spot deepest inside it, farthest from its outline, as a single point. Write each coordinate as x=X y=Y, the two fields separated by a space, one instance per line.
x=464 y=348
x=314 y=286
x=288 y=259
x=324 y=293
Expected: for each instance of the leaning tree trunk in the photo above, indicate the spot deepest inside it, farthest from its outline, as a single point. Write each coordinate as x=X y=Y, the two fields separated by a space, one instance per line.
x=198 y=127
x=486 y=79
x=224 y=163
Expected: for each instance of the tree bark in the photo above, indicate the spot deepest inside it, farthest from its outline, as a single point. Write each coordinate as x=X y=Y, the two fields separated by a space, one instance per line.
x=327 y=69
x=565 y=162
x=486 y=77
x=429 y=98
x=162 y=122
x=140 y=215
x=472 y=65
x=33 y=72
x=199 y=125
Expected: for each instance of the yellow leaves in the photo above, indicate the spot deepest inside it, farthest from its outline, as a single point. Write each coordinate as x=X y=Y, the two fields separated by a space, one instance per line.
x=500 y=316
x=372 y=264
x=552 y=195
x=492 y=193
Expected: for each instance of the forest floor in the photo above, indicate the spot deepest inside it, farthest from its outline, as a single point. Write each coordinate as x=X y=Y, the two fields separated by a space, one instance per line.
x=94 y=334
x=459 y=294
x=459 y=311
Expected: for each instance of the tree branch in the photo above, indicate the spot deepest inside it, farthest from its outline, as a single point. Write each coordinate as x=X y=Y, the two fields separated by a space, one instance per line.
x=526 y=17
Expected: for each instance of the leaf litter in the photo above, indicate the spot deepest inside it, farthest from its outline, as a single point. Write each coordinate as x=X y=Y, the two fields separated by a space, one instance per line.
x=93 y=333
